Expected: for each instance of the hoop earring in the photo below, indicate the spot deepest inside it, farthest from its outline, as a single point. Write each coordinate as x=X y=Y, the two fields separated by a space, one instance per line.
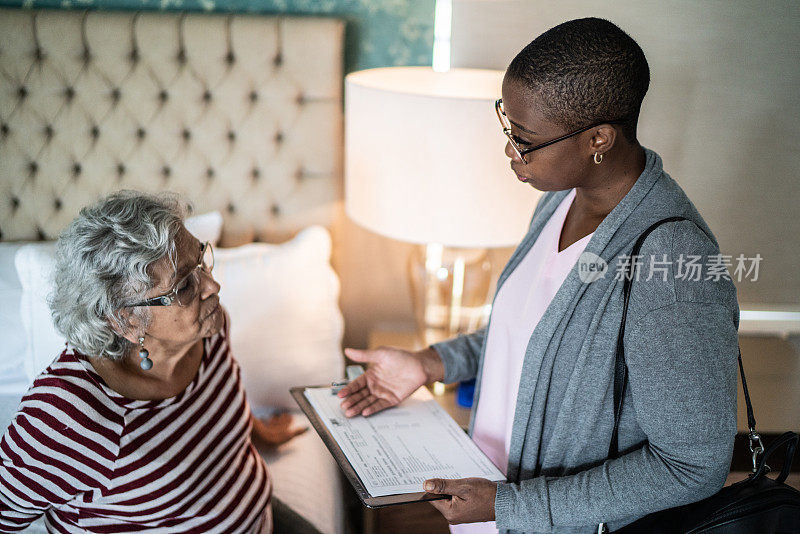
x=598 y=158
x=144 y=354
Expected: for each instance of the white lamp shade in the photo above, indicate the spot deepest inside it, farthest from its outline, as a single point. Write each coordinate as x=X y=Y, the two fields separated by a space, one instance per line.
x=425 y=161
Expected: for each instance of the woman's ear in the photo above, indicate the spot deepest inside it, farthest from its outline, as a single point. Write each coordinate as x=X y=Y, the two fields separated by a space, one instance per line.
x=603 y=139
x=128 y=326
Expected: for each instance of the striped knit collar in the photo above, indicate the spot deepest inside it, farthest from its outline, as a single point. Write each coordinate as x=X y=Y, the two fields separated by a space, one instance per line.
x=70 y=353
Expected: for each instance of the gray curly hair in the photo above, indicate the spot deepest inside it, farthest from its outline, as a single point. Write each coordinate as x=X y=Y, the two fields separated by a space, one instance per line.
x=103 y=262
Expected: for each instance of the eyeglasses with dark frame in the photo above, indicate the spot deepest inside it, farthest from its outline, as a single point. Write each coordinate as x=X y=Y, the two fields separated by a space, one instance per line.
x=185 y=290
x=516 y=142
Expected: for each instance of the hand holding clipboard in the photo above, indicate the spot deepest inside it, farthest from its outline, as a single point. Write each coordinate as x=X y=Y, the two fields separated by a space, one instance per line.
x=389 y=455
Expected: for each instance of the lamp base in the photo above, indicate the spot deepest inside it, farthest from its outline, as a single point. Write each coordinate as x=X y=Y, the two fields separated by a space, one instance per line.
x=450 y=289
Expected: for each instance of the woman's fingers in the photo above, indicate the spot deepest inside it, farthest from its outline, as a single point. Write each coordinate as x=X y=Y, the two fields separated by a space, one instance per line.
x=353 y=398
x=278 y=421
x=358 y=407
x=378 y=405
x=297 y=431
x=282 y=418
x=360 y=356
x=285 y=435
x=354 y=386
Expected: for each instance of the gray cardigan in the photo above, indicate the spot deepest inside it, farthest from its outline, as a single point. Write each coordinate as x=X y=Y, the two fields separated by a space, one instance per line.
x=678 y=419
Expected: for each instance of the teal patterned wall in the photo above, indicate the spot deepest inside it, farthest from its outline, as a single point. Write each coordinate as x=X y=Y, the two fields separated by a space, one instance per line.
x=379 y=33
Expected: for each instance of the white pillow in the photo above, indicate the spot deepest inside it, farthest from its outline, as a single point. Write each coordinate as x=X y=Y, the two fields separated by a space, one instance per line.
x=286 y=327
x=35 y=262
x=13 y=379
x=37 y=343
x=205 y=227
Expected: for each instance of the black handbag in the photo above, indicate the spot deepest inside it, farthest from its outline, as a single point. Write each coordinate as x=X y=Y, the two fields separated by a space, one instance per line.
x=757 y=504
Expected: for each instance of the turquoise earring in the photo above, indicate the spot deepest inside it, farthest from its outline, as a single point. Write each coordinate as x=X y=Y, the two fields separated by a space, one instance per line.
x=144 y=354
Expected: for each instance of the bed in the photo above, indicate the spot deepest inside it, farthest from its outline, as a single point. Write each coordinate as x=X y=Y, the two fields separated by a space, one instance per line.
x=242 y=116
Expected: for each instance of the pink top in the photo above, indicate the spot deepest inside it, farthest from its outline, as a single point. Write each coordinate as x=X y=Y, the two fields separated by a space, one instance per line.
x=518 y=306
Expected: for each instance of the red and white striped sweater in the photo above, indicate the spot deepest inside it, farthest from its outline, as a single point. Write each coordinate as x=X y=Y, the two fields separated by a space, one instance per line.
x=94 y=461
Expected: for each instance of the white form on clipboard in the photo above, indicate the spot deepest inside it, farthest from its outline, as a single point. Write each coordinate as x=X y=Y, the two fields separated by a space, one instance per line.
x=394 y=451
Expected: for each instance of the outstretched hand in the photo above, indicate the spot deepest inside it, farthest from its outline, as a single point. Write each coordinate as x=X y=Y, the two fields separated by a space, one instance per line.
x=276 y=430
x=471 y=499
x=392 y=375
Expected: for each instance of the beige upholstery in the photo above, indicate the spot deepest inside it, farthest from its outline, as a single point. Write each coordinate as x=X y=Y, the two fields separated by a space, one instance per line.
x=238 y=113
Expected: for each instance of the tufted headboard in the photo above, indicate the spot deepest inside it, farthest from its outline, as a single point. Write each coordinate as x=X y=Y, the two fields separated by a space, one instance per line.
x=239 y=113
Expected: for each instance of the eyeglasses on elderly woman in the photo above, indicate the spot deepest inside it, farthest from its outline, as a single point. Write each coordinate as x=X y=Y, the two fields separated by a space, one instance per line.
x=185 y=291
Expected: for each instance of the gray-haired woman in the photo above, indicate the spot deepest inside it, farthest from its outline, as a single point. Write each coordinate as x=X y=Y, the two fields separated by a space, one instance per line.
x=142 y=422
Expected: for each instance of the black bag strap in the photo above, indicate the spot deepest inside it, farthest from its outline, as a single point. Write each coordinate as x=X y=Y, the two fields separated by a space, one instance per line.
x=621 y=369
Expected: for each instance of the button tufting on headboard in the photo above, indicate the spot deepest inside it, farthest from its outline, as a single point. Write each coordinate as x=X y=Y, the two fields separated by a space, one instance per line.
x=143 y=102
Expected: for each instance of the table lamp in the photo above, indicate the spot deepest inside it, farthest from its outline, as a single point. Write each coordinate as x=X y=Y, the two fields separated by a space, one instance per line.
x=425 y=163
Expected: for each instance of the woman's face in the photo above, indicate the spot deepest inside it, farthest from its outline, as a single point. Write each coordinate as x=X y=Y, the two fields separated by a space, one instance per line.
x=560 y=166
x=175 y=327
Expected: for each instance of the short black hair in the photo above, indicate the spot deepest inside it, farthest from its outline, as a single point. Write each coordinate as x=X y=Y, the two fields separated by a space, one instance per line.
x=585 y=71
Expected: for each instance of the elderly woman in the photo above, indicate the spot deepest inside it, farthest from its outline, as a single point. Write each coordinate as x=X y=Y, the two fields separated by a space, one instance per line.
x=545 y=363
x=142 y=422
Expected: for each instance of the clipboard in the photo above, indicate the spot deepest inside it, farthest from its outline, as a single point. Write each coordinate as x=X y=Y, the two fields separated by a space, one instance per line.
x=298 y=393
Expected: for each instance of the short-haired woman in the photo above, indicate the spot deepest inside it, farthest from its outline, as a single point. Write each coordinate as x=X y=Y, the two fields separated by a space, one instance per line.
x=142 y=422
x=545 y=363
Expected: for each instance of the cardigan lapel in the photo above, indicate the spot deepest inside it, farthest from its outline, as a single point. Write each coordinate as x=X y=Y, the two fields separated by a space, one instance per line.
x=609 y=237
